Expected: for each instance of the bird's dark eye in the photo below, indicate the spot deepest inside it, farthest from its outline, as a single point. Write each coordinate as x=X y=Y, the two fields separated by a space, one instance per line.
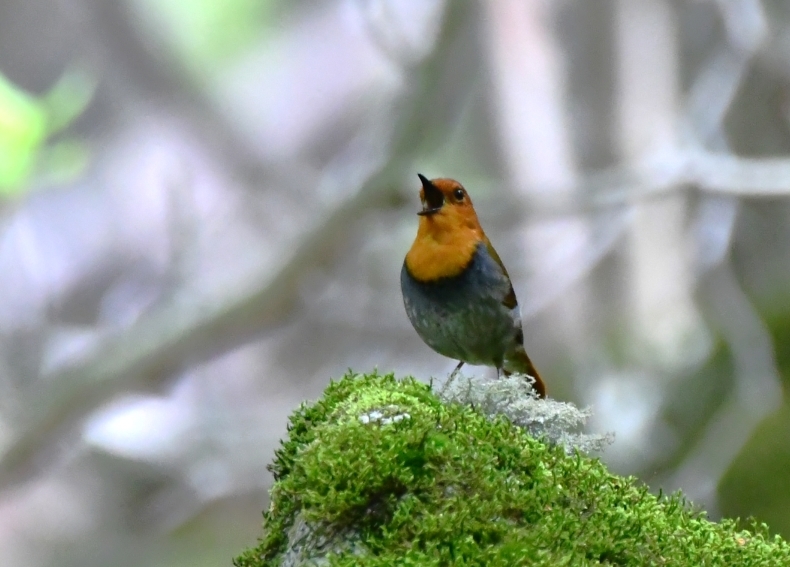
x=458 y=194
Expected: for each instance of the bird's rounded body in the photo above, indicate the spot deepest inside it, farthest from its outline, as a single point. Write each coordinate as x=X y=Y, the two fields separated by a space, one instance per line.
x=463 y=317
x=457 y=293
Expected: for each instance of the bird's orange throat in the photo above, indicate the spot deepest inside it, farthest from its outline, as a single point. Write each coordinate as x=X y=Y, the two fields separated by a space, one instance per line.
x=444 y=247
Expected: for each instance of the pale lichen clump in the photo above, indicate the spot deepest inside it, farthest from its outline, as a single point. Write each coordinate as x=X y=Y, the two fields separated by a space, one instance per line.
x=555 y=422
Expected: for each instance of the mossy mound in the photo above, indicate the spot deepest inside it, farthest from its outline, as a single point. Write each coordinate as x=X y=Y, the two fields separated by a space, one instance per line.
x=382 y=472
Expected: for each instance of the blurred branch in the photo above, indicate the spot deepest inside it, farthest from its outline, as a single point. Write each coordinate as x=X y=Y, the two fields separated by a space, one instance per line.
x=189 y=331
x=745 y=23
x=742 y=177
x=662 y=175
x=186 y=331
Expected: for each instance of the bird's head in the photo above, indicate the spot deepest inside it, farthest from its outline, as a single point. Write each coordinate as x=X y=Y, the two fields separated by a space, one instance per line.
x=448 y=233
x=446 y=206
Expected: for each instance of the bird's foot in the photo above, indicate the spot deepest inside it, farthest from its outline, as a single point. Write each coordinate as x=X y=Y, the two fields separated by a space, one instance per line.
x=451 y=377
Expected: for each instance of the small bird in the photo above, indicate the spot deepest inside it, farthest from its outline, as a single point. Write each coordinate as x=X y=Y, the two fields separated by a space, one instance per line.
x=457 y=292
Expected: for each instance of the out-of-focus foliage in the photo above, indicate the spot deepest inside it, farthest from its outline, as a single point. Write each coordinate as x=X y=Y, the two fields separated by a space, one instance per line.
x=757 y=482
x=27 y=121
x=23 y=127
x=207 y=34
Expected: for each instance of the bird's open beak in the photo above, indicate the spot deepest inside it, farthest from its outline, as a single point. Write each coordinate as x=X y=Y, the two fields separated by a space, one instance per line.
x=434 y=199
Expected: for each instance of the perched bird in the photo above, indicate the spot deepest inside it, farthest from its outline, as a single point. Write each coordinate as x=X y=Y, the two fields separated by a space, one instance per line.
x=457 y=292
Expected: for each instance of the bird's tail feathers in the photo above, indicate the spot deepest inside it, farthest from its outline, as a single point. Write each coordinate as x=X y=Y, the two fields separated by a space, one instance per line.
x=520 y=362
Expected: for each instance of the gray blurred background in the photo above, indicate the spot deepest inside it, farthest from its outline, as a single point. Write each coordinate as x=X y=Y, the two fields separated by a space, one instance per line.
x=204 y=208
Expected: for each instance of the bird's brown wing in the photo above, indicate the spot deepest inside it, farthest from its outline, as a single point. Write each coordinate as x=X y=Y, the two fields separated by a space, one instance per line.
x=520 y=360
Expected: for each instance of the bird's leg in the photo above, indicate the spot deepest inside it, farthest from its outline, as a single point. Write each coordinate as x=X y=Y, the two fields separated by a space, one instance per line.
x=452 y=376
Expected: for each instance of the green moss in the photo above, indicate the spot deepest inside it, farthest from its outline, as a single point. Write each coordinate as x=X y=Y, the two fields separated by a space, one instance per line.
x=382 y=472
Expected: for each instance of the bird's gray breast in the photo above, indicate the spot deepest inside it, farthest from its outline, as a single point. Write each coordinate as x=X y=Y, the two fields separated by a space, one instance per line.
x=463 y=317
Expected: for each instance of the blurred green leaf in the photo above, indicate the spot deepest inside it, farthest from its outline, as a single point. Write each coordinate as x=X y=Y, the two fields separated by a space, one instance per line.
x=64 y=161
x=26 y=122
x=68 y=99
x=207 y=33
x=23 y=128
x=756 y=484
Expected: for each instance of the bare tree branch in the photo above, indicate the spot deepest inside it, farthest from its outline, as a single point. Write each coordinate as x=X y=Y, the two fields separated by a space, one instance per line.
x=658 y=176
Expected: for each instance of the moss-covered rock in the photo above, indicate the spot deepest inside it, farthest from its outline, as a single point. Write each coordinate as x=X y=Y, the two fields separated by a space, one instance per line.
x=383 y=472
